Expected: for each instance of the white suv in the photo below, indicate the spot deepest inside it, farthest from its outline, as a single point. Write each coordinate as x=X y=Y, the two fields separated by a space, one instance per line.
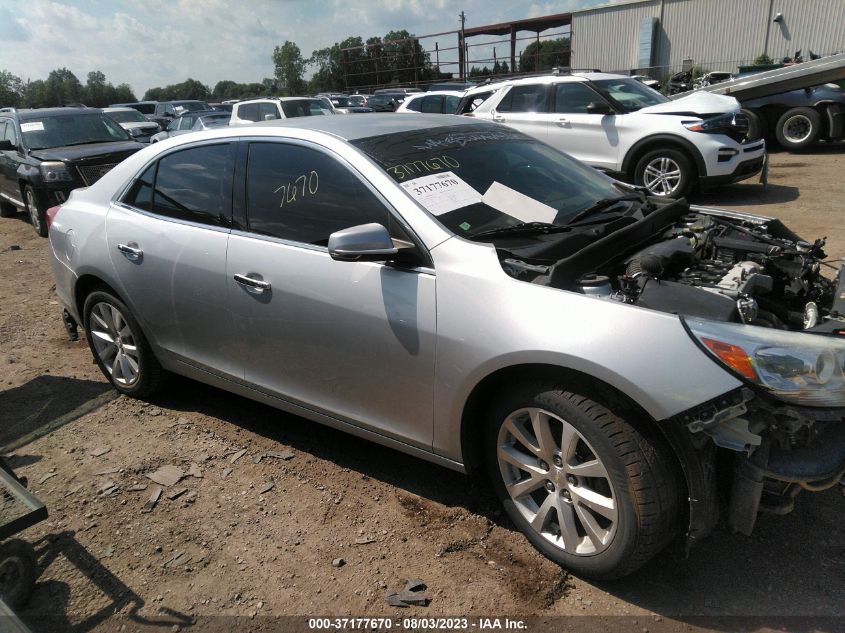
x=269 y=108
x=620 y=126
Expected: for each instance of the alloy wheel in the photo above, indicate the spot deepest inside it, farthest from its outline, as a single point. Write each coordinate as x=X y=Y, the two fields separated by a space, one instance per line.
x=797 y=128
x=662 y=176
x=557 y=481
x=115 y=344
x=32 y=209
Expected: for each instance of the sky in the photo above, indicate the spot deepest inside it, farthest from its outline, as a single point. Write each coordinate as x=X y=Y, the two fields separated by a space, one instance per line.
x=148 y=43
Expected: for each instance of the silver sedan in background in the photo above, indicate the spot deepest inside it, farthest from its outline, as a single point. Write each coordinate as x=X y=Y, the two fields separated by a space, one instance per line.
x=471 y=296
x=193 y=122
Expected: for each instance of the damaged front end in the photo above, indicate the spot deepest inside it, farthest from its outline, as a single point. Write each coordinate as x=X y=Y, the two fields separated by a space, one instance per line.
x=753 y=297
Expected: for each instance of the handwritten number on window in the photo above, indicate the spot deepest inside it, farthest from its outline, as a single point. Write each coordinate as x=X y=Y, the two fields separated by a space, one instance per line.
x=302 y=186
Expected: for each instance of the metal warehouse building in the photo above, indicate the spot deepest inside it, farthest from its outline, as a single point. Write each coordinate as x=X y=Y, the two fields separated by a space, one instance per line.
x=663 y=36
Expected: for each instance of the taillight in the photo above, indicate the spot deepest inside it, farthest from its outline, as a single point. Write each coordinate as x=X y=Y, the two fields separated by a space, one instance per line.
x=51 y=215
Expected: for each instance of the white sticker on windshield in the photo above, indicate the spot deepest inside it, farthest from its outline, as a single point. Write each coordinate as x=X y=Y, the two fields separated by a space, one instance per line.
x=32 y=126
x=441 y=193
x=518 y=205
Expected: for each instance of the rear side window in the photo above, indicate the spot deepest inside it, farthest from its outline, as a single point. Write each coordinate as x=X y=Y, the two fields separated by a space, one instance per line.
x=432 y=104
x=140 y=195
x=527 y=98
x=267 y=111
x=450 y=105
x=299 y=194
x=248 y=112
x=193 y=184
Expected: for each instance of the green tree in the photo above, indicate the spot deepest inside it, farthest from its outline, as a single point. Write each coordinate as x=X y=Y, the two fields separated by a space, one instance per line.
x=188 y=89
x=290 y=68
x=123 y=94
x=96 y=92
x=11 y=88
x=763 y=60
x=545 y=55
x=62 y=87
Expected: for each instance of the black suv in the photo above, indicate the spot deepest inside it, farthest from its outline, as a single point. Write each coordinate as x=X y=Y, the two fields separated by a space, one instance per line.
x=47 y=153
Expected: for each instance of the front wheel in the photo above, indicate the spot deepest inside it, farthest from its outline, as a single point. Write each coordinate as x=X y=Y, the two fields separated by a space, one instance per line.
x=18 y=571
x=798 y=128
x=584 y=486
x=665 y=172
x=119 y=347
x=37 y=213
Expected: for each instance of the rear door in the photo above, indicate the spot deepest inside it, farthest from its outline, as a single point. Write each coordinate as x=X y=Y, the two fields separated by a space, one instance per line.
x=167 y=241
x=353 y=340
x=9 y=160
x=525 y=107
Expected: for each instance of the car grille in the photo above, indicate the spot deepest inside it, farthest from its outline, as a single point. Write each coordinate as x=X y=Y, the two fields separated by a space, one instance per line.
x=92 y=173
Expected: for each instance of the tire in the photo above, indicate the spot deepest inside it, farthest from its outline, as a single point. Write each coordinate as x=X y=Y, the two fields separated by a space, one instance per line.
x=798 y=128
x=756 y=124
x=130 y=365
x=665 y=172
x=615 y=493
x=18 y=571
x=37 y=212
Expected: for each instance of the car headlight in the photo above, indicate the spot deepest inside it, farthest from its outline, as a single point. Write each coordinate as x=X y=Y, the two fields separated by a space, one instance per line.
x=55 y=171
x=796 y=367
x=714 y=124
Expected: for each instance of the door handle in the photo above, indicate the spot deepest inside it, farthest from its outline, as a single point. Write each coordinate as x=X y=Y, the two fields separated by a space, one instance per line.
x=498 y=118
x=563 y=122
x=252 y=284
x=131 y=251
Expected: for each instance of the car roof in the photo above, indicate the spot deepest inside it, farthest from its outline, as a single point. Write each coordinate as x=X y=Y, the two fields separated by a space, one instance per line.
x=120 y=109
x=259 y=99
x=448 y=93
x=202 y=113
x=544 y=79
x=368 y=124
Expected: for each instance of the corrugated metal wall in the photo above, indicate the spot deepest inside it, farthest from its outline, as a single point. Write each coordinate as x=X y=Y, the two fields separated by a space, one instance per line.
x=606 y=38
x=716 y=34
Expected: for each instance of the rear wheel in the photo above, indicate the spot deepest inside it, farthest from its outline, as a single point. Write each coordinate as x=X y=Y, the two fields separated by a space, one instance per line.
x=119 y=347
x=37 y=213
x=584 y=486
x=798 y=128
x=665 y=172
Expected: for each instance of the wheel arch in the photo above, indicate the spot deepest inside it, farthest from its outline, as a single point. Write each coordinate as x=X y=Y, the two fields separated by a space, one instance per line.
x=693 y=461
x=658 y=141
x=85 y=285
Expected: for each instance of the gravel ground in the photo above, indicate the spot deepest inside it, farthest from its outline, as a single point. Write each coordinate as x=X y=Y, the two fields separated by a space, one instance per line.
x=269 y=502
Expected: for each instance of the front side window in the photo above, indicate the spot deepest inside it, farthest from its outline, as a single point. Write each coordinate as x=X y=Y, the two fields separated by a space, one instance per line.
x=450 y=104
x=415 y=105
x=524 y=98
x=193 y=184
x=7 y=129
x=300 y=194
x=573 y=98
x=186 y=122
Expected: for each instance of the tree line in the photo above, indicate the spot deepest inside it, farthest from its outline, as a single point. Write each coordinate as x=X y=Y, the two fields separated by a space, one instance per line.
x=352 y=64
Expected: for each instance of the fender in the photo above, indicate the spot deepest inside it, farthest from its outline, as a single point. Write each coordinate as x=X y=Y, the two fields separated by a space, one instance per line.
x=659 y=139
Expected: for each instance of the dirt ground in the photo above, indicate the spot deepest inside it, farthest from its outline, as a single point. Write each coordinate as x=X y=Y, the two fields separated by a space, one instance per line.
x=256 y=538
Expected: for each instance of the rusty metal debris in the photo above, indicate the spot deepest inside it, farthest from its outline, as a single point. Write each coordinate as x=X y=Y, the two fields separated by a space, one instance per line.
x=412 y=594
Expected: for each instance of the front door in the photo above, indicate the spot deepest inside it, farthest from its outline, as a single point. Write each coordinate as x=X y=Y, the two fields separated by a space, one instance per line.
x=353 y=340
x=592 y=138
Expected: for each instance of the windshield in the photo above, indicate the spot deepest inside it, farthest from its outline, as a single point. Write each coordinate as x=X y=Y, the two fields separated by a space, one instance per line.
x=484 y=177
x=71 y=129
x=629 y=93
x=216 y=120
x=304 y=107
x=128 y=116
x=190 y=106
x=341 y=102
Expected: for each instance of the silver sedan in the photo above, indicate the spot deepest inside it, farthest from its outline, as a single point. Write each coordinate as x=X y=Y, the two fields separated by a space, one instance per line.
x=469 y=295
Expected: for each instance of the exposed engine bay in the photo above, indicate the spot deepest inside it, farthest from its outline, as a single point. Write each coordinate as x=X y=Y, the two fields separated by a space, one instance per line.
x=712 y=264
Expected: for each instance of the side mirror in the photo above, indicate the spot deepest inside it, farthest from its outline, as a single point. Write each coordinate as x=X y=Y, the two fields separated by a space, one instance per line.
x=599 y=107
x=362 y=243
x=6 y=146
x=269 y=117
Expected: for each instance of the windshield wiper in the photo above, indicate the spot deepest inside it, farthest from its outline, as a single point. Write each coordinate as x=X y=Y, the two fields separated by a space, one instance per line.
x=604 y=203
x=523 y=227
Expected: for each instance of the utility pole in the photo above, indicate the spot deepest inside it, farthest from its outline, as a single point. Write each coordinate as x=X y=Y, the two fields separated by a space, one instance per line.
x=462 y=47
